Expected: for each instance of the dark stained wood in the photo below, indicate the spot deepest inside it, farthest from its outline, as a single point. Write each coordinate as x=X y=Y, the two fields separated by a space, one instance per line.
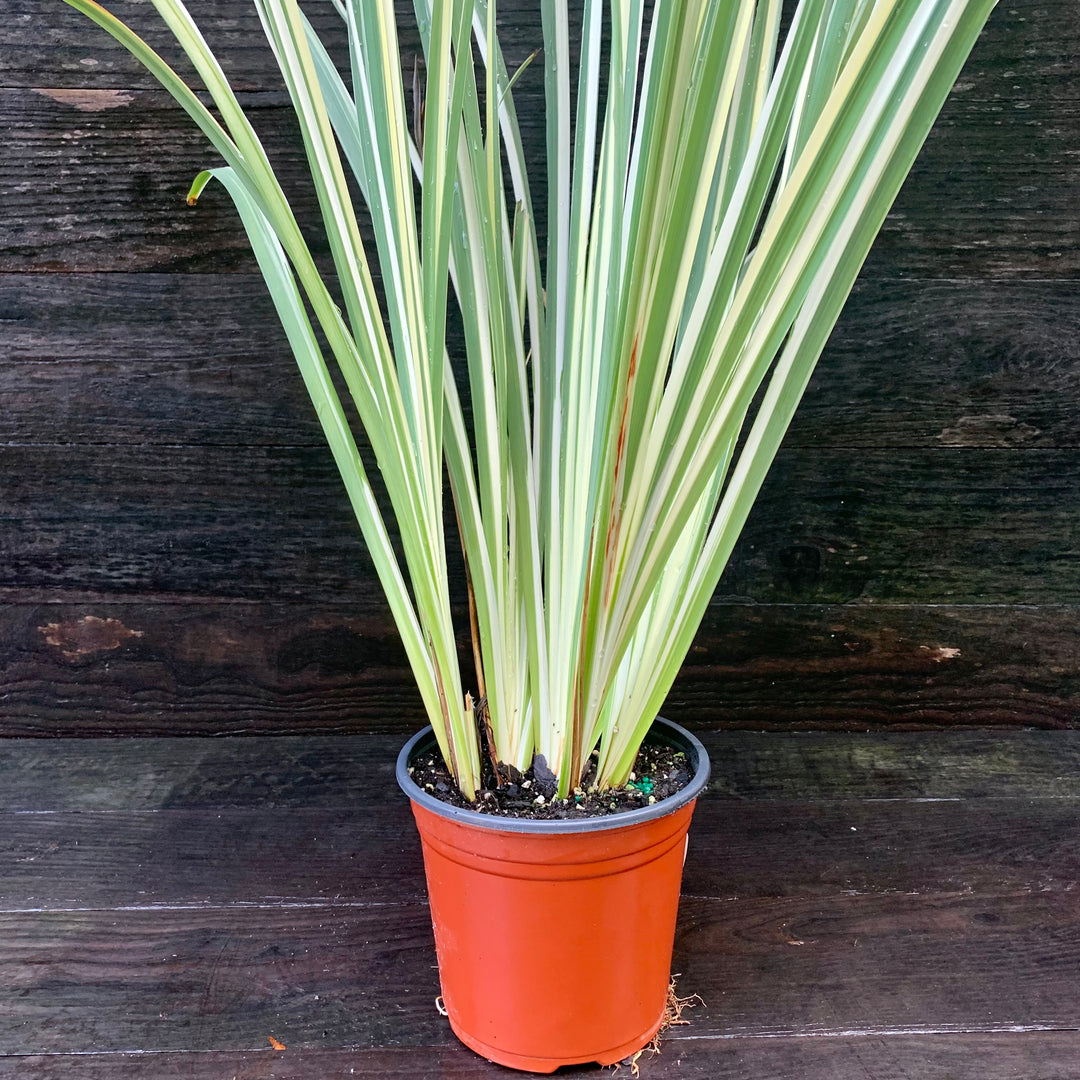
x=190 y=358
x=289 y=856
x=138 y=155
x=61 y=48
x=739 y=850
x=1006 y=131
x=947 y=363
x=186 y=521
x=922 y=766
x=359 y=1063
x=1033 y=1055
x=58 y=47
x=96 y=666
x=100 y=182
x=176 y=557
x=858 y=666
x=209 y=978
x=1028 y=48
x=319 y=820
x=216 y=668
x=928 y=486
x=825 y=926
x=148 y=358
x=946 y=526
x=881 y=963
x=964 y=212
x=109 y=775
x=355 y=773
x=931 y=526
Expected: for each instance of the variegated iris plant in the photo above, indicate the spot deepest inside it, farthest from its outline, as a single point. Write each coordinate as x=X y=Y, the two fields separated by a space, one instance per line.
x=709 y=203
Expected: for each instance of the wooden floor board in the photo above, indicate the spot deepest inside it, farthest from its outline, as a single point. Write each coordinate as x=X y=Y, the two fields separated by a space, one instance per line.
x=887 y=905
x=739 y=850
x=198 y=979
x=882 y=963
x=999 y=158
x=1035 y=1055
x=169 y=857
x=865 y=904
x=357 y=771
x=957 y=764
x=209 y=978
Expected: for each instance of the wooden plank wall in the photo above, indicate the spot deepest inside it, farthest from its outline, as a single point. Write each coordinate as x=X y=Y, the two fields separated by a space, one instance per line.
x=176 y=555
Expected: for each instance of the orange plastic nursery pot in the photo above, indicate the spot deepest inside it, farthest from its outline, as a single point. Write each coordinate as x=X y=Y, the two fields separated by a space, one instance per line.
x=554 y=938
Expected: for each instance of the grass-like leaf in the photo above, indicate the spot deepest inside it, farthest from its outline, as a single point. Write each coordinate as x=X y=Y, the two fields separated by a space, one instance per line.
x=709 y=207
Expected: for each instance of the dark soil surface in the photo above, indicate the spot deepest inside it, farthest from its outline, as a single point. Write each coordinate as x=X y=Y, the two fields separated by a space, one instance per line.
x=659 y=772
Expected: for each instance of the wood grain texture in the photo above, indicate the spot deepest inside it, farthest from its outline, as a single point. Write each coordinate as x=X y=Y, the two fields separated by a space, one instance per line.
x=355 y=773
x=969 y=363
x=289 y=856
x=320 y=820
x=946 y=526
x=912 y=561
x=861 y=665
x=62 y=49
x=181 y=520
x=1006 y=130
x=207 y=978
x=1031 y=1055
x=200 y=979
x=138 y=359
x=122 y=859
x=931 y=526
x=102 y=667
x=881 y=963
x=176 y=557
x=137 y=155
x=880 y=901
x=198 y=358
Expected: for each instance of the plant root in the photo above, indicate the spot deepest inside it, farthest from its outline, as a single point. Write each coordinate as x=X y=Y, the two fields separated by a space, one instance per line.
x=673 y=1017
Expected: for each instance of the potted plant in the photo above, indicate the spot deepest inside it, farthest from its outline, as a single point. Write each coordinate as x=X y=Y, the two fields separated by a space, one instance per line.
x=712 y=192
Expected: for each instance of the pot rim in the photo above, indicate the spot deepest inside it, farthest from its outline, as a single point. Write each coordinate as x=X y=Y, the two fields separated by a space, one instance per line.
x=670 y=733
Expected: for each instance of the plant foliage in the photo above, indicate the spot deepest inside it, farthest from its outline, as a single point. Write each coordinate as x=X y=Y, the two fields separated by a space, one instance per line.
x=710 y=201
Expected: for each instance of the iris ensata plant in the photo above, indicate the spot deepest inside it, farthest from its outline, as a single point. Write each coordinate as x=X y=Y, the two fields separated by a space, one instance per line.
x=713 y=187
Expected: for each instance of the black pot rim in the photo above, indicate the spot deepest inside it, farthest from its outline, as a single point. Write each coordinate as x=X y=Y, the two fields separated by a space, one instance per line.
x=666 y=731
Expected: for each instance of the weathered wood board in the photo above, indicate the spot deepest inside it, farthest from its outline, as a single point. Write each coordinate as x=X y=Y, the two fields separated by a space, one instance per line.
x=884 y=902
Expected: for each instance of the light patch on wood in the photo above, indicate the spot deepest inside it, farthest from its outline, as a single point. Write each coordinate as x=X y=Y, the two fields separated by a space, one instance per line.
x=993 y=429
x=89 y=100
x=87 y=635
x=940 y=652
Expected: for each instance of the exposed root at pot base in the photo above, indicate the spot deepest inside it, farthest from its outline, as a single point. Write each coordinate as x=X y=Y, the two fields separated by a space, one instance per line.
x=672 y=1018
